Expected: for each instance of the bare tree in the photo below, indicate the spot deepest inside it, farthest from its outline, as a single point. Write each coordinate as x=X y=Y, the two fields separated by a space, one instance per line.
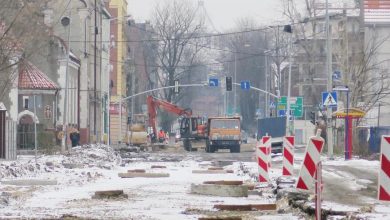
x=308 y=44
x=178 y=27
x=22 y=33
x=369 y=80
x=245 y=56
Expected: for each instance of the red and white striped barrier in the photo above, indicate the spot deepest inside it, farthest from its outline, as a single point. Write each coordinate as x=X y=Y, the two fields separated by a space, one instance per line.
x=263 y=158
x=384 y=173
x=268 y=145
x=288 y=155
x=309 y=166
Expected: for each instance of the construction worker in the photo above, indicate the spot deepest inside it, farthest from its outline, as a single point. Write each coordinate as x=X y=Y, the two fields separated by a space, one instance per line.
x=161 y=136
x=74 y=136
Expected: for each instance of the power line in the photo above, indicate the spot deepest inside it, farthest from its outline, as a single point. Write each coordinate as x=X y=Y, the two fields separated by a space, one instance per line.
x=197 y=37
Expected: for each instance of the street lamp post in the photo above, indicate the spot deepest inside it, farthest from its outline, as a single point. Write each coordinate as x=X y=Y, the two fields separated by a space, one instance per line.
x=65 y=21
x=288 y=29
x=235 y=80
x=329 y=135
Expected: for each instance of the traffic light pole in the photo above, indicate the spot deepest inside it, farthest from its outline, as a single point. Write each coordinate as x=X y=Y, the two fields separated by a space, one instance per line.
x=260 y=90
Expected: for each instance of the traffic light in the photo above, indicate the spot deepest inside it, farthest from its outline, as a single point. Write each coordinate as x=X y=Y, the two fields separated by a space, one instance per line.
x=313 y=117
x=229 y=85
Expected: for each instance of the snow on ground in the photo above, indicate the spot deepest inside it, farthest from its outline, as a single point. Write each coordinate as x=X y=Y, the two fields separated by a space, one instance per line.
x=95 y=168
x=92 y=168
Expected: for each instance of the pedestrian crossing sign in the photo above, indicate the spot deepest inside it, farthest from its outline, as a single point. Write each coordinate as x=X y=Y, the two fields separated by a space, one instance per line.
x=329 y=99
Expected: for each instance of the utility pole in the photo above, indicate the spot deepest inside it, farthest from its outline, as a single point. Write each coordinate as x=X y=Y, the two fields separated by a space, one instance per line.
x=94 y=74
x=329 y=133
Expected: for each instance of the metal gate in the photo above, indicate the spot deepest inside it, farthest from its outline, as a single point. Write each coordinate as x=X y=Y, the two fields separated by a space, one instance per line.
x=26 y=133
x=7 y=137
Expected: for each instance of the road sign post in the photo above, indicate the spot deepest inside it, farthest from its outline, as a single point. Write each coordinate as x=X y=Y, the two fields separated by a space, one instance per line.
x=329 y=99
x=245 y=85
x=213 y=82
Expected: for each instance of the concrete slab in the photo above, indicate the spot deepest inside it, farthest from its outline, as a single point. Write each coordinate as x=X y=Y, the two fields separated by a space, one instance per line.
x=109 y=194
x=137 y=171
x=212 y=171
x=219 y=190
x=215 y=168
x=220 y=218
x=158 y=166
x=144 y=175
x=29 y=182
x=73 y=165
x=246 y=207
x=225 y=182
x=222 y=163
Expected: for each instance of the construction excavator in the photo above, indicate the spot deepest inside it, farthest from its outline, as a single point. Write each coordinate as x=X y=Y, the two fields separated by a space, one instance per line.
x=191 y=127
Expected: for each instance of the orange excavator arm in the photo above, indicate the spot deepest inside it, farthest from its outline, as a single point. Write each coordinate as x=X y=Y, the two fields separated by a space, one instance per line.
x=154 y=103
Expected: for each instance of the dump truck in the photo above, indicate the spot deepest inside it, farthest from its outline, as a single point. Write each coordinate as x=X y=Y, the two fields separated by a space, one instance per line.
x=223 y=133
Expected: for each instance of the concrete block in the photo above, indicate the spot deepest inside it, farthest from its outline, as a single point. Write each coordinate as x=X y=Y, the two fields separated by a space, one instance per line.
x=29 y=182
x=219 y=190
x=145 y=175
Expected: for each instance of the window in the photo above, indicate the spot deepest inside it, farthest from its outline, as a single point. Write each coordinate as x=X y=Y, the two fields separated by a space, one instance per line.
x=225 y=124
x=25 y=102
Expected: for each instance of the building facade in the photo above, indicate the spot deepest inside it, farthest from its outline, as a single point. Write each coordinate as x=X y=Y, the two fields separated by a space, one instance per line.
x=118 y=53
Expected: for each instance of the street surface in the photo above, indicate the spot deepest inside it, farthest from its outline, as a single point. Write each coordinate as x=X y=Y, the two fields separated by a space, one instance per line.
x=348 y=186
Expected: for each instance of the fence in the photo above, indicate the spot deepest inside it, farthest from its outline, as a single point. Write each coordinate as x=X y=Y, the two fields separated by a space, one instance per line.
x=7 y=137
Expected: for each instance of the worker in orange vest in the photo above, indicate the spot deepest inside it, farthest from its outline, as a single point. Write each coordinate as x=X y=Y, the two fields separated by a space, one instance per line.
x=161 y=136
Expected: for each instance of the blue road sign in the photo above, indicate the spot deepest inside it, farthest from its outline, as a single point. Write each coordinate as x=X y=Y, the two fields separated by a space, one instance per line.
x=245 y=85
x=213 y=82
x=336 y=76
x=329 y=99
x=281 y=113
x=272 y=105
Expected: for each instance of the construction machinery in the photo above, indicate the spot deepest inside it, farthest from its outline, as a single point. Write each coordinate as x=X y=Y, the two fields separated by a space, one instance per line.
x=137 y=134
x=223 y=133
x=191 y=128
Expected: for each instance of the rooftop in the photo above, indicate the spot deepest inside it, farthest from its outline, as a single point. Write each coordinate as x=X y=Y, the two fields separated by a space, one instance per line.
x=30 y=77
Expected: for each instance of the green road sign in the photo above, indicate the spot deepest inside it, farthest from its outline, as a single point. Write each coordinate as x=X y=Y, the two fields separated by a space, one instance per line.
x=296 y=105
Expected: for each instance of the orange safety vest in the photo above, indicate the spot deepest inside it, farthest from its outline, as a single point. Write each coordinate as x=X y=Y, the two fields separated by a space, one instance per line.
x=161 y=134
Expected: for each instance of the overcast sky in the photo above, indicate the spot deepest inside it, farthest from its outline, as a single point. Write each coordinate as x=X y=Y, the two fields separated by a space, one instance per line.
x=223 y=13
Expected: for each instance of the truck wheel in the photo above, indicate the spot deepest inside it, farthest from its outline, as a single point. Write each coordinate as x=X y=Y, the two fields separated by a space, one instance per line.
x=235 y=149
x=187 y=144
x=209 y=148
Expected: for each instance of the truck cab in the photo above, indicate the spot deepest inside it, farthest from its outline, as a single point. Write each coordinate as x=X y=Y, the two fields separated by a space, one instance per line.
x=223 y=133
